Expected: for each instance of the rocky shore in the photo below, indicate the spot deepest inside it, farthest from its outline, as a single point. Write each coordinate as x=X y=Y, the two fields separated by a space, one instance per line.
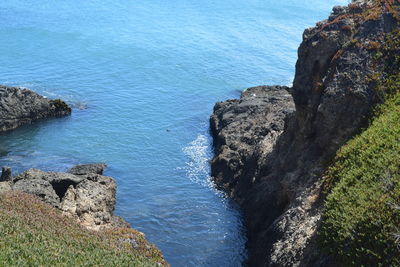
x=83 y=193
x=272 y=149
x=244 y=132
x=19 y=106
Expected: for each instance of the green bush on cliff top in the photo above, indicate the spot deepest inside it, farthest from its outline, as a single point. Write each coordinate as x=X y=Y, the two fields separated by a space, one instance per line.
x=361 y=221
x=33 y=233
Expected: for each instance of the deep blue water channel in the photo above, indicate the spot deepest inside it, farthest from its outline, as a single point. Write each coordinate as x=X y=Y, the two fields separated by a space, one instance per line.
x=143 y=77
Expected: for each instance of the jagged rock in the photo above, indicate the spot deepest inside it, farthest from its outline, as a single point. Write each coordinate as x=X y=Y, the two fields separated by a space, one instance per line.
x=38 y=187
x=22 y=106
x=68 y=202
x=50 y=186
x=96 y=168
x=245 y=130
x=280 y=190
x=88 y=197
x=6 y=174
x=95 y=198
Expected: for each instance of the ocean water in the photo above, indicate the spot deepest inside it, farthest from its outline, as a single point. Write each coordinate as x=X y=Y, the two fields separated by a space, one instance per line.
x=143 y=77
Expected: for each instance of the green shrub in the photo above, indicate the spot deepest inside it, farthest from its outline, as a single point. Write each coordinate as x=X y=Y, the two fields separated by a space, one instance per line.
x=361 y=220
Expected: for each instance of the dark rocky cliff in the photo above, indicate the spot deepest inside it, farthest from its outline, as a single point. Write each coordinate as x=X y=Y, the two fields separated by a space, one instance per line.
x=275 y=172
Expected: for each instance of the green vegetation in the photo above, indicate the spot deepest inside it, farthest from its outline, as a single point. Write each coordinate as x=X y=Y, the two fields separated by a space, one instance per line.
x=36 y=234
x=387 y=78
x=361 y=222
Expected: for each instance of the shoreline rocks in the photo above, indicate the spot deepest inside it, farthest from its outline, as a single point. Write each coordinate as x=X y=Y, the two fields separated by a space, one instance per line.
x=243 y=132
x=82 y=169
x=23 y=106
x=89 y=197
x=82 y=193
x=277 y=179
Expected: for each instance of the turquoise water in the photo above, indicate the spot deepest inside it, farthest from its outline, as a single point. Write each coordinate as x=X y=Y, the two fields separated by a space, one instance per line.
x=143 y=77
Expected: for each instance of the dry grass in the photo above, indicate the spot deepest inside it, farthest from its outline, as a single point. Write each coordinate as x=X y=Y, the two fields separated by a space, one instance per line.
x=36 y=234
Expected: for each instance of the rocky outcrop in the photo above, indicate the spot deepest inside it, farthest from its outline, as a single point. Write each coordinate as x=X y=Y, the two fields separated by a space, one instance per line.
x=84 y=194
x=244 y=131
x=96 y=168
x=279 y=184
x=22 y=106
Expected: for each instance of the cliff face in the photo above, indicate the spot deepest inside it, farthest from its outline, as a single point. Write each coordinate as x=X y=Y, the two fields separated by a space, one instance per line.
x=334 y=93
x=22 y=106
x=244 y=132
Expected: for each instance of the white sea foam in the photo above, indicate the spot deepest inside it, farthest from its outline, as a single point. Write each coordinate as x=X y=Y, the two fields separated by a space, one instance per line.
x=197 y=168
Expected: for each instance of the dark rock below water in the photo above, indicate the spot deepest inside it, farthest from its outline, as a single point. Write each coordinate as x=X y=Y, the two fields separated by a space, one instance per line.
x=22 y=106
x=96 y=168
x=89 y=197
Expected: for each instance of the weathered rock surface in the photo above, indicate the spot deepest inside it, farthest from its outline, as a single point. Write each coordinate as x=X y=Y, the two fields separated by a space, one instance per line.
x=87 y=196
x=97 y=168
x=244 y=131
x=22 y=106
x=277 y=178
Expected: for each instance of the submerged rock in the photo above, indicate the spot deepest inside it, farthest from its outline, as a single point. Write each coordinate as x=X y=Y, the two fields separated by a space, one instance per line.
x=22 y=106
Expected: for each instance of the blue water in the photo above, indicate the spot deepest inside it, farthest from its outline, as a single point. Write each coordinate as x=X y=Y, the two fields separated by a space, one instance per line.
x=143 y=77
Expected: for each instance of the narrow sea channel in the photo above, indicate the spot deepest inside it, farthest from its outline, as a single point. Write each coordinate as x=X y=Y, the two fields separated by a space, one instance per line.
x=143 y=77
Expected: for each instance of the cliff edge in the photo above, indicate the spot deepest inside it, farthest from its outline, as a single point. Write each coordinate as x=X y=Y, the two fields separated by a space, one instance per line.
x=275 y=171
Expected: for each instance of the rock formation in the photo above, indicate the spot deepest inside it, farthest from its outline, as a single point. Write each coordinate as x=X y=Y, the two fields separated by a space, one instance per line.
x=275 y=172
x=22 y=106
x=85 y=195
x=244 y=131
x=96 y=168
